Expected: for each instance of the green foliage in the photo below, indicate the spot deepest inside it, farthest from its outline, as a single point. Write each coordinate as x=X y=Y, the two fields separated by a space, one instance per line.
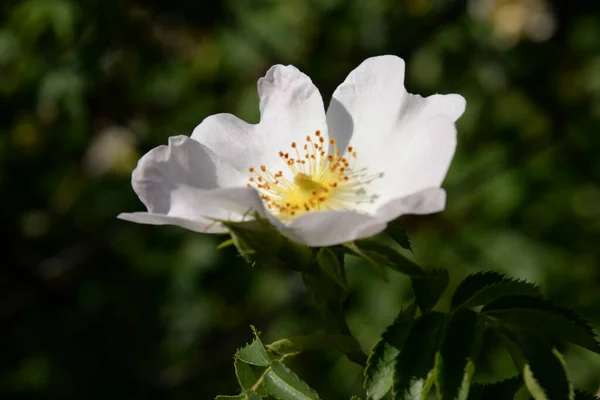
x=542 y=316
x=383 y=254
x=330 y=263
x=428 y=291
x=397 y=232
x=255 y=353
x=455 y=366
x=298 y=344
x=283 y=384
x=483 y=287
x=544 y=371
x=380 y=364
x=503 y=390
x=415 y=371
x=579 y=395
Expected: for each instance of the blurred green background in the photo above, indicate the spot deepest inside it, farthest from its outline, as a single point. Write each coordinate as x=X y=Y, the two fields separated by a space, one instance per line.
x=93 y=307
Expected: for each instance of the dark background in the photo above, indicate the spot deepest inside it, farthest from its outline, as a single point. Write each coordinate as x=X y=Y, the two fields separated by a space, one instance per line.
x=92 y=307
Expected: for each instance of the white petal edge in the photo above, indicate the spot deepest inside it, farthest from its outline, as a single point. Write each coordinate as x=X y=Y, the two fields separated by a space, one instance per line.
x=328 y=228
x=291 y=108
x=427 y=201
x=372 y=111
x=199 y=209
x=167 y=174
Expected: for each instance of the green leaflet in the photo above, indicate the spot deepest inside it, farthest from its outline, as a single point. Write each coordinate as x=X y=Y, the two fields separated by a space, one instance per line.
x=543 y=317
x=544 y=371
x=373 y=259
x=414 y=373
x=484 y=287
x=455 y=365
x=380 y=364
x=328 y=261
x=245 y=375
x=503 y=390
x=428 y=291
x=297 y=344
x=283 y=384
x=254 y=353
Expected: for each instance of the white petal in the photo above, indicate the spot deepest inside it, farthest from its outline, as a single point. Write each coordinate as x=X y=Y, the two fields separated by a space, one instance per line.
x=161 y=219
x=372 y=111
x=329 y=228
x=427 y=201
x=197 y=209
x=291 y=107
x=421 y=163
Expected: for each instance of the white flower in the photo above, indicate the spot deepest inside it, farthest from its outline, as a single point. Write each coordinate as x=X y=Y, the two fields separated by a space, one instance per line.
x=321 y=178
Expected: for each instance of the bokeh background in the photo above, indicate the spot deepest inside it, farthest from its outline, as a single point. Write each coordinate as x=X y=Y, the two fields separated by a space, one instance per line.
x=92 y=307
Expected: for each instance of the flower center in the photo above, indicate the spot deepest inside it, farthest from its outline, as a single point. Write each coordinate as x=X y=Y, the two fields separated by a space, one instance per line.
x=315 y=180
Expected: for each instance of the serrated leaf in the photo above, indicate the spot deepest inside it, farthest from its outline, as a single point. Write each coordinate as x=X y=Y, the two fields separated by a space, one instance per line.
x=503 y=390
x=328 y=261
x=244 y=373
x=297 y=344
x=281 y=383
x=414 y=372
x=390 y=257
x=380 y=364
x=254 y=353
x=398 y=234
x=483 y=287
x=455 y=365
x=545 y=318
x=579 y=395
x=544 y=372
x=428 y=291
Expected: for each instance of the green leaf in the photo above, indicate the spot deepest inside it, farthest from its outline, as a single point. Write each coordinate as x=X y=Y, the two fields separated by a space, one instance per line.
x=283 y=384
x=484 y=287
x=254 y=353
x=328 y=261
x=390 y=257
x=455 y=365
x=373 y=259
x=503 y=390
x=428 y=291
x=243 y=396
x=380 y=364
x=398 y=234
x=579 y=395
x=415 y=366
x=544 y=372
x=245 y=375
x=297 y=344
x=545 y=318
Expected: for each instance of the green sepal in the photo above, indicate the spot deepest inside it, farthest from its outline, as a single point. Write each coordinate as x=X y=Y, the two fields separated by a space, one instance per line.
x=390 y=257
x=539 y=315
x=254 y=353
x=503 y=390
x=397 y=232
x=544 y=371
x=330 y=264
x=373 y=259
x=297 y=344
x=242 y=396
x=280 y=382
x=455 y=366
x=379 y=372
x=484 y=287
x=414 y=372
x=428 y=291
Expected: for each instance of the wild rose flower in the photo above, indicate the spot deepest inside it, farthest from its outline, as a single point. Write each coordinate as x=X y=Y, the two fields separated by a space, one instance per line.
x=321 y=178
